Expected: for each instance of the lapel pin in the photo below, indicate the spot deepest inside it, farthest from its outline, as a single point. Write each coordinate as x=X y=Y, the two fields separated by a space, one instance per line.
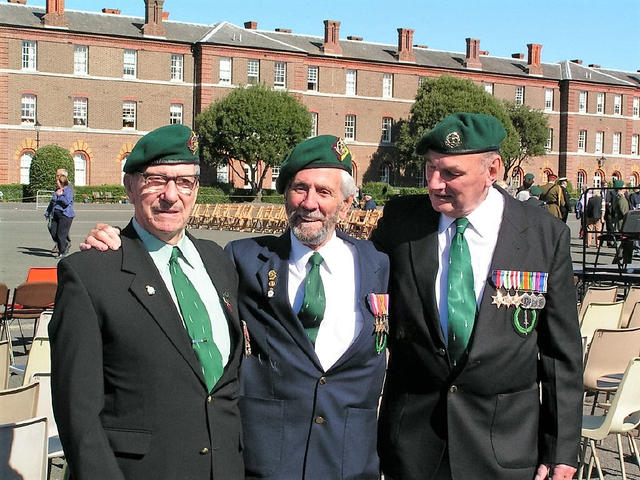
x=150 y=290
x=227 y=303
x=272 y=282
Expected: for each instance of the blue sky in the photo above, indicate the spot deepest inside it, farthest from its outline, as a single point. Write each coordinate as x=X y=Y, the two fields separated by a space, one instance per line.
x=601 y=32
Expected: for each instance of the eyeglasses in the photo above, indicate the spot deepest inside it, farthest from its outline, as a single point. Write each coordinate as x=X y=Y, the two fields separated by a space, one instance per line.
x=156 y=182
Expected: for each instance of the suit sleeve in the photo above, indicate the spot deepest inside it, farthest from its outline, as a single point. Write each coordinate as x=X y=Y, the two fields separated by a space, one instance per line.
x=560 y=363
x=77 y=380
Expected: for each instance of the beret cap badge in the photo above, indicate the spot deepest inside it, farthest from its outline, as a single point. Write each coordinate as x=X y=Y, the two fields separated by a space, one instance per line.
x=192 y=143
x=453 y=140
x=340 y=149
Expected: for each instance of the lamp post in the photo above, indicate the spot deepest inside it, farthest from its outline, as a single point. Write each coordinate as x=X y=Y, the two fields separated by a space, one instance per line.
x=601 y=161
x=37 y=129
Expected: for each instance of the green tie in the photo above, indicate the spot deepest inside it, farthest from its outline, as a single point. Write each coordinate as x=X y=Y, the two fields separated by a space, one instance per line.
x=461 y=298
x=312 y=311
x=196 y=321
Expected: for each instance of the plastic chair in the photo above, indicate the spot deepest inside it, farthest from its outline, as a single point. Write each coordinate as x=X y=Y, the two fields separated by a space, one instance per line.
x=622 y=417
x=45 y=409
x=39 y=359
x=19 y=404
x=5 y=362
x=597 y=295
x=42 y=324
x=634 y=319
x=42 y=274
x=633 y=297
x=600 y=315
x=24 y=449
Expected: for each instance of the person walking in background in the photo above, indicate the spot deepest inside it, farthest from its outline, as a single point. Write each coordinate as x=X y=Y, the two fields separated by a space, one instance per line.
x=60 y=213
x=619 y=206
x=566 y=203
x=594 y=214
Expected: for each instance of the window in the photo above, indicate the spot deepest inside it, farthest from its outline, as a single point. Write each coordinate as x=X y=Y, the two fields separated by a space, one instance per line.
x=25 y=166
x=599 y=142
x=351 y=82
x=519 y=100
x=129 y=114
x=548 y=99
x=633 y=180
x=617 y=105
x=177 y=67
x=634 y=144
x=130 y=63
x=80 y=169
x=280 y=75
x=248 y=176
x=350 y=127
x=384 y=173
x=549 y=145
x=582 y=140
x=615 y=143
x=600 y=103
x=275 y=173
x=312 y=78
x=488 y=87
x=122 y=162
x=28 y=109
x=636 y=107
x=29 y=51
x=421 y=80
x=597 y=180
x=387 y=123
x=580 y=181
x=225 y=71
x=175 y=113
x=582 y=102
x=80 y=110
x=222 y=173
x=387 y=85
x=253 y=72
x=81 y=60
x=314 y=124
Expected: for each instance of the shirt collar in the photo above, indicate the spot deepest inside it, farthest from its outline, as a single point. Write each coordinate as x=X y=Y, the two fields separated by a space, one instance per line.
x=161 y=251
x=485 y=219
x=300 y=253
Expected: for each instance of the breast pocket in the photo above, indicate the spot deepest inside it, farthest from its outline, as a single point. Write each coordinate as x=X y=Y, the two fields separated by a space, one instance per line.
x=131 y=442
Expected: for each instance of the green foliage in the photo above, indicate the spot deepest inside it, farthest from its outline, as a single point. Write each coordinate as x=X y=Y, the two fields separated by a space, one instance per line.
x=12 y=192
x=100 y=194
x=212 y=195
x=533 y=131
x=382 y=192
x=252 y=125
x=42 y=174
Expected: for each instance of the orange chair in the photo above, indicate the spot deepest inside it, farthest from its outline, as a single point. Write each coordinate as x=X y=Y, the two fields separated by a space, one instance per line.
x=42 y=274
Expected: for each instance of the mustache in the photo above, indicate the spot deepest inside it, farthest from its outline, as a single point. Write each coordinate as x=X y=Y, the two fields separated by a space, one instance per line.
x=306 y=214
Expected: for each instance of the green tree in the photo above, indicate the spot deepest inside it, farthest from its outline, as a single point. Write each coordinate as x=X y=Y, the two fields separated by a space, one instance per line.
x=533 y=132
x=42 y=174
x=257 y=126
x=442 y=96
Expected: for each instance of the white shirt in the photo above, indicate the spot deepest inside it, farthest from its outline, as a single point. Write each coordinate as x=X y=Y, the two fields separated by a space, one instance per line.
x=342 y=320
x=197 y=274
x=481 y=235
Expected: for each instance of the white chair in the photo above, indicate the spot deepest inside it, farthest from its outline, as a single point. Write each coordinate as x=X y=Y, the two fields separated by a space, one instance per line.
x=5 y=364
x=39 y=359
x=600 y=315
x=633 y=297
x=18 y=404
x=597 y=295
x=621 y=418
x=44 y=408
x=23 y=448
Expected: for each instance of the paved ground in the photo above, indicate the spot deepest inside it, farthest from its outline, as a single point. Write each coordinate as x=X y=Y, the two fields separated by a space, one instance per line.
x=25 y=242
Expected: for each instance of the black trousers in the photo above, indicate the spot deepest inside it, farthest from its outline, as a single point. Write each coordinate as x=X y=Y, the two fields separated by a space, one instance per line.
x=60 y=226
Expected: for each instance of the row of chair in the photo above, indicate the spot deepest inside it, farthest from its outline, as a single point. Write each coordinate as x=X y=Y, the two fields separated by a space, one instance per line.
x=249 y=217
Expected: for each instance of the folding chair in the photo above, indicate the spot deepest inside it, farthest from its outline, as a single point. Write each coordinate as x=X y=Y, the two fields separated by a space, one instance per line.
x=633 y=297
x=634 y=319
x=19 y=404
x=597 y=295
x=5 y=363
x=600 y=315
x=39 y=359
x=44 y=408
x=24 y=449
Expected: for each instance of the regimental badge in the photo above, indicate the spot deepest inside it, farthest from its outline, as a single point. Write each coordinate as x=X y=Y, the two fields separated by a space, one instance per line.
x=227 y=303
x=247 y=340
x=272 y=275
x=340 y=149
x=453 y=140
x=379 y=304
x=150 y=290
x=192 y=143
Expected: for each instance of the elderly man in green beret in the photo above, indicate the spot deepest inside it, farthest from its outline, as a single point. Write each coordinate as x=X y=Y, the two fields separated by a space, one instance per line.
x=485 y=369
x=146 y=340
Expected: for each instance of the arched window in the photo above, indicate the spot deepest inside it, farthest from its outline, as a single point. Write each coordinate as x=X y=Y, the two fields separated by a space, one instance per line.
x=516 y=177
x=80 y=168
x=633 y=179
x=25 y=166
x=616 y=176
x=545 y=174
x=581 y=180
x=384 y=173
x=598 y=179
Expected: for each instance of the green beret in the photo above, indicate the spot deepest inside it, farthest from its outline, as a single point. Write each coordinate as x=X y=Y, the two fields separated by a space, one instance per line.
x=535 y=191
x=529 y=176
x=323 y=151
x=618 y=183
x=463 y=133
x=165 y=145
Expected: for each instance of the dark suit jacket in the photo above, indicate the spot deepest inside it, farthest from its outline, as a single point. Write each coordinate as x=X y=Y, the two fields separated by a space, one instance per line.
x=487 y=412
x=300 y=421
x=129 y=396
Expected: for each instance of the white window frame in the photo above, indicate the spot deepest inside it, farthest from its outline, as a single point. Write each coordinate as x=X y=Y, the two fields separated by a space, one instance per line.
x=80 y=60
x=175 y=113
x=25 y=167
x=488 y=87
x=79 y=169
x=422 y=79
x=582 y=101
x=387 y=125
x=275 y=173
x=312 y=78
x=599 y=142
x=597 y=180
x=253 y=71
x=351 y=82
x=519 y=97
x=177 y=67
x=636 y=107
x=616 y=143
x=635 y=139
x=80 y=112
x=600 y=99
x=350 y=127
x=580 y=180
x=548 y=99
x=617 y=104
x=129 y=114
x=130 y=63
x=384 y=173
x=226 y=67
x=222 y=173
x=632 y=181
x=582 y=140
x=549 y=144
x=387 y=85
x=29 y=109
x=29 y=55
x=280 y=75
x=314 y=124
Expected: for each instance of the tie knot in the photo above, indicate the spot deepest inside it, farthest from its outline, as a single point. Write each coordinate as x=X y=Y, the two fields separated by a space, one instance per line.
x=175 y=254
x=316 y=259
x=461 y=225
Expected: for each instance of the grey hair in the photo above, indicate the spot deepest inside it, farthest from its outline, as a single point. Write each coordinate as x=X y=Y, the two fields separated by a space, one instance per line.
x=348 y=187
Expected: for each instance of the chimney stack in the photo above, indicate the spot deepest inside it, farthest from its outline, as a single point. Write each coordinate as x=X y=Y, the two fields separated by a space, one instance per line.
x=578 y=61
x=153 y=18
x=405 y=45
x=251 y=25
x=473 y=54
x=54 y=16
x=331 y=43
x=533 y=58
x=111 y=11
x=21 y=2
x=519 y=56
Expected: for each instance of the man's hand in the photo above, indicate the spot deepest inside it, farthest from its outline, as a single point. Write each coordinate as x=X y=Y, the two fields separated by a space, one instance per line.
x=557 y=472
x=103 y=237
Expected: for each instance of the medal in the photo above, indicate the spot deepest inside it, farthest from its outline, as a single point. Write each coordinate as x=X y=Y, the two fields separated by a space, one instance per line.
x=247 y=340
x=271 y=283
x=225 y=299
x=379 y=304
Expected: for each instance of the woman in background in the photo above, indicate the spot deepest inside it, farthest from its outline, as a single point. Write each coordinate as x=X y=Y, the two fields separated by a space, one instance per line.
x=61 y=212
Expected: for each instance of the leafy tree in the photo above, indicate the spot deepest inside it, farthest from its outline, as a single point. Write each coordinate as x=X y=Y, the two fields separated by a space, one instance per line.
x=533 y=131
x=442 y=96
x=42 y=174
x=256 y=125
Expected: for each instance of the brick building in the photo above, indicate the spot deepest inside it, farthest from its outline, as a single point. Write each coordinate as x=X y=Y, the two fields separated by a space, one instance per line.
x=95 y=82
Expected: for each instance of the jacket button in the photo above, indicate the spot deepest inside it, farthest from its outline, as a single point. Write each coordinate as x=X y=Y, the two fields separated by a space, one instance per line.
x=209 y=399
x=442 y=352
x=453 y=389
x=323 y=380
x=204 y=451
x=319 y=420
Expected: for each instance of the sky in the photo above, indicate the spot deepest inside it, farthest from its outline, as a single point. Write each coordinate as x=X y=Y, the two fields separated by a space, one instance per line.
x=602 y=32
